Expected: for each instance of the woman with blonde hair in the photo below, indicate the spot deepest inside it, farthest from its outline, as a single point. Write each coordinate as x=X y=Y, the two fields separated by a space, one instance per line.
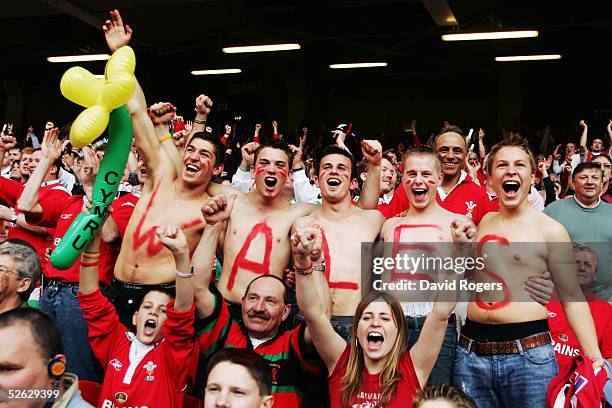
x=375 y=369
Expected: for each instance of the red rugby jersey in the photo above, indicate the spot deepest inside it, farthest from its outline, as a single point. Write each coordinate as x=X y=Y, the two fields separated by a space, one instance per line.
x=136 y=375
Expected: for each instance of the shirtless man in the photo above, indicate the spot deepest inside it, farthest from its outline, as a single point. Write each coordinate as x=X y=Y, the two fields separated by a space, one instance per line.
x=344 y=227
x=504 y=356
x=169 y=196
x=256 y=241
x=425 y=222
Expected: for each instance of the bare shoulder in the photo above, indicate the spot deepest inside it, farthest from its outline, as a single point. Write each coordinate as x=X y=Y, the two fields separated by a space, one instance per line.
x=389 y=226
x=487 y=219
x=303 y=209
x=216 y=189
x=373 y=216
x=552 y=229
x=304 y=221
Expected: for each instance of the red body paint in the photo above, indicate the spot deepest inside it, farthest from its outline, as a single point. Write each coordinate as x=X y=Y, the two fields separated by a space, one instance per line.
x=260 y=169
x=282 y=172
x=150 y=235
x=399 y=247
x=328 y=267
x=432 y=182
x=241 y=263
x=507 y=296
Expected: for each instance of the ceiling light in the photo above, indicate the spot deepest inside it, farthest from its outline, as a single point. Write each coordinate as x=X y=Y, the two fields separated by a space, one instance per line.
x=261 y=48
x=513 y=58
x=494 y=35
x=359 y=65
x=216 y=71
x=101 y=76
x=79 y=58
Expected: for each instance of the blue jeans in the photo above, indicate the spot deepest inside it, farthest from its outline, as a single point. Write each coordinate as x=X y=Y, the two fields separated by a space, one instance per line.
x=506 y=380
x=442 y=372
x=59 y=301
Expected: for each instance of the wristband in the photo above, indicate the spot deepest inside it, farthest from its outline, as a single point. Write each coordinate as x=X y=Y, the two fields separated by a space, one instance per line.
x=199 y=122
x=163 y=139
x=303 y=270
x=91 y=255
x=89 y=264
x=185 y=274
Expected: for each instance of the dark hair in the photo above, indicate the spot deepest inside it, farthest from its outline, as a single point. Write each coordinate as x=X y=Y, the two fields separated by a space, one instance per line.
x=586 y=166
x=27 y=263
x=215 y=141
x=275 y=144
x=423 y=150
x=166 y=291
x=450 y=129
x=255 y=364
x=333 y=149
x=603 y=156
x=445 y=393
x=42 y=327
x=286 y=299
x=510 y=141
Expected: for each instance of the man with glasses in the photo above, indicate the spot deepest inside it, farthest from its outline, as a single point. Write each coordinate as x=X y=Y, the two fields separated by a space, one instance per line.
x=19 y=273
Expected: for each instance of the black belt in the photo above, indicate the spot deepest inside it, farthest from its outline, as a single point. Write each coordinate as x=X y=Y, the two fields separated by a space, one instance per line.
x=415 y=322
x=58 y=283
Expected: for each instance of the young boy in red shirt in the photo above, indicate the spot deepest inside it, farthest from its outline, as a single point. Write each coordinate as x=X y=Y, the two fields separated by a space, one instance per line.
x=149 y=367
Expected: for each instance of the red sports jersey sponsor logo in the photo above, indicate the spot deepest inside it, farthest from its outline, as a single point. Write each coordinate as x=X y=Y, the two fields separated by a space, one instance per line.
x=116 y=364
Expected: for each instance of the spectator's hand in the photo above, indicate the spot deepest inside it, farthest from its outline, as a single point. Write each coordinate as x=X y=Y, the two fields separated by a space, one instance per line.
x=248 y=152
x=567 y=168
x=188 y=127
x=481 y=134
x=67 y=160
x=549 y=161
x=9 y=128
x=173 y=238
x=289 y=277
x=306 y=245
x=297 y=156
x=609 y=127
x=218 y=209
x=372 y=151
x=161 y=113
x=228 y=130
x=275 y=125
x=5 y=213
x=543 y=169
x=203 y=105
x=7 y=143
x=89 y=170
x=257 y=127
x=463 y=231
x=540 y=289
x=583 y=124
x=51 y=146
x=115 y=32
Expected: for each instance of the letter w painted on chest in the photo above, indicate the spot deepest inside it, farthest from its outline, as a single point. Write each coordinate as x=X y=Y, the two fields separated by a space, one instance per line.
x=150 y=234
x=241 y=262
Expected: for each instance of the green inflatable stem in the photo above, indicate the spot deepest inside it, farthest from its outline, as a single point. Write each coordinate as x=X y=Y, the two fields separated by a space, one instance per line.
x=86 y=226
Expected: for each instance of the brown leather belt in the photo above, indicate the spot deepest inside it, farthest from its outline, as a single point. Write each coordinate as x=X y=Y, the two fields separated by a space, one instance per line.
x=504 y=347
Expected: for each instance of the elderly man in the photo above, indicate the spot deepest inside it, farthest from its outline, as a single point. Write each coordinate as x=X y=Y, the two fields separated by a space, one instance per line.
x=588 y=219
x=19 y=273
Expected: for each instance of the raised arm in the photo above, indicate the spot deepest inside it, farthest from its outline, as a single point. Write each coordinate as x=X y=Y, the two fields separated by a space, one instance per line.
x=482 y=152
x=51 y=150
x=305 y=245
x=88 y=278
x=425 y=351
x=159 y=112
x=173 y=238
x=216 y=212
x=609 y=129
x=203 y=105
x=372 y=152
x=584 y=137
x=7 y=142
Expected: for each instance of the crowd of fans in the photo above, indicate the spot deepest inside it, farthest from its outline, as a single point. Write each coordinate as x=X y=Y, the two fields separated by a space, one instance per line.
x=229 y=270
